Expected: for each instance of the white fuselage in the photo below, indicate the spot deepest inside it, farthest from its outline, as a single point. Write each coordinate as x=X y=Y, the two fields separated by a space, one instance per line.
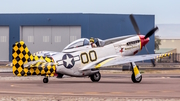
x=71 y=61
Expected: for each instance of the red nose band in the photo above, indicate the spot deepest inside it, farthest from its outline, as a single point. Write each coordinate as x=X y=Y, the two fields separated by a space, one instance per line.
x=143 y=40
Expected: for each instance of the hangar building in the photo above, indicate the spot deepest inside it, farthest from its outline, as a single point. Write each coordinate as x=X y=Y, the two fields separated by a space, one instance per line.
x=54 y=31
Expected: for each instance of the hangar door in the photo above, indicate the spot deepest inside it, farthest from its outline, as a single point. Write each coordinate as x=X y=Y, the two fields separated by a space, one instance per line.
x=4 y=43
x=49 y=38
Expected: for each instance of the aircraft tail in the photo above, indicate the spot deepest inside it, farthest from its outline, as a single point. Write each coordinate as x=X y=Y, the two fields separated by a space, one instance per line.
x=25 y=64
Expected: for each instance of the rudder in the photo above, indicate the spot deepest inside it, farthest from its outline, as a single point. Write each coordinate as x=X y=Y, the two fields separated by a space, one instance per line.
x=20 y=55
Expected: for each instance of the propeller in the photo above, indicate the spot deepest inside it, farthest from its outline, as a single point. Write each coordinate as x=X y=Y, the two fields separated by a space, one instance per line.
x=136 y=28
x=133 y=21
x=151 y=32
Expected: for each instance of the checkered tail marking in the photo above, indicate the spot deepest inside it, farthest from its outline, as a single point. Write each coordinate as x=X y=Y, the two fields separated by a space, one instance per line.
x=21 y=55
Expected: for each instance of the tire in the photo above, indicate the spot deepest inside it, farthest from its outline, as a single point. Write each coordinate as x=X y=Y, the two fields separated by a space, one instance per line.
x=134 y=80
x=95 y=77
x=45 y=80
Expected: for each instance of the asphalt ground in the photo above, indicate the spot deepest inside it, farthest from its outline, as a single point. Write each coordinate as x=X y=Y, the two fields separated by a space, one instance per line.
x=111 y=85
x=159 y=83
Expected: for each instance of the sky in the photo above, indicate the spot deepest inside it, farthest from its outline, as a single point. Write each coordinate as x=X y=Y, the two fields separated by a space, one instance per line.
x=165 y=11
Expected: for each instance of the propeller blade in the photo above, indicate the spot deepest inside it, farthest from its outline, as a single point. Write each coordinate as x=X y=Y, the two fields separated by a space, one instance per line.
x=133 y=21
x=152 y=60
x=146 y=49
x=151 y=32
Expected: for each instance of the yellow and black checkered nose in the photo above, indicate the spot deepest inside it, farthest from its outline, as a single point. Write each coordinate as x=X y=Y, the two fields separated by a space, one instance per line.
x=21 y=55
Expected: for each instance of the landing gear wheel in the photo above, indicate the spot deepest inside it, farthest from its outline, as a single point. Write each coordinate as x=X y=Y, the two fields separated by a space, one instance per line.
x=95 y=77
x=138 y=80
x=45 y=80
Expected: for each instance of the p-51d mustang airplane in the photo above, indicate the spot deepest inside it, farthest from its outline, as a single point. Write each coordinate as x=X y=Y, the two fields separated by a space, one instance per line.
x=79 y=59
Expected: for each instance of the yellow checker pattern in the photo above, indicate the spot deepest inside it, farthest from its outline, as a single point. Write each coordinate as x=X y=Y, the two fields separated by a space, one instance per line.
x=163 y=55
x=21 y=55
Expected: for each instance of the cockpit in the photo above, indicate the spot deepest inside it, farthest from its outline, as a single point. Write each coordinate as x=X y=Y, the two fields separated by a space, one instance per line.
x=81 y=42
x=78 y=43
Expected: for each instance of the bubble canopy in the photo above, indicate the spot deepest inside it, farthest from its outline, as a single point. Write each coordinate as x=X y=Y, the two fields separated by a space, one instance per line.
x=78 y=43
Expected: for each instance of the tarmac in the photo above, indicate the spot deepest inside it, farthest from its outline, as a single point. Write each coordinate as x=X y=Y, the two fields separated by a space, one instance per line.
x=159 y=83
x=113 y=86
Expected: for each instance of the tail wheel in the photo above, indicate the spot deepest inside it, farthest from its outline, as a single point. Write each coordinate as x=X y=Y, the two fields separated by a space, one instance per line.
x=133 y=78
x=95 y=77
x=45 y=80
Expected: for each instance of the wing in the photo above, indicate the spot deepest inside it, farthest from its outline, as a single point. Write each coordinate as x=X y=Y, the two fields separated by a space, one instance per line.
x=117 y=60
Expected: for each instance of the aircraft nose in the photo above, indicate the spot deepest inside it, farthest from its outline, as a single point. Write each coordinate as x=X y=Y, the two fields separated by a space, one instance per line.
x=143 y=40
x=146 y=41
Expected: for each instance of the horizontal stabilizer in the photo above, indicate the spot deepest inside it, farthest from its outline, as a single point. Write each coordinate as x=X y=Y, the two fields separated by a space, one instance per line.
x=28 y=64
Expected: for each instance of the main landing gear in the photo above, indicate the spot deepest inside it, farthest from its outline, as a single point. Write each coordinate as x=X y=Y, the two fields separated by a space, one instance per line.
x=136 y=80
x=45 y=80
x=136 y=76
x=95 y=77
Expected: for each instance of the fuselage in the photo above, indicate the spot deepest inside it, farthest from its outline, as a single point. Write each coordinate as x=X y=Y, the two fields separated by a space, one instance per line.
x=71 y=61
